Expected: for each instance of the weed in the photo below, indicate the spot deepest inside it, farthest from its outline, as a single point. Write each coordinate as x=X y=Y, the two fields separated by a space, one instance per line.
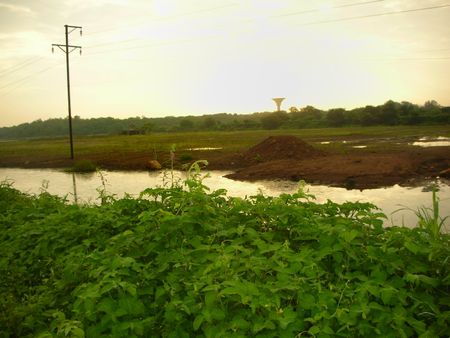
x=429 y=219
x=186 y=157
x=187 y=262
x=103 y=195
x=83 y=166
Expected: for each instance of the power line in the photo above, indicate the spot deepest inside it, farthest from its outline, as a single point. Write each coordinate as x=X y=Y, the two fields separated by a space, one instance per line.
x=156 y=44
x=243 y=21
x=17 y=83
x=314 y=10
x=412 y=59
x=294 y=13
x=160 y=19
x=373 y=15
x=21 y=65
x=204 y=10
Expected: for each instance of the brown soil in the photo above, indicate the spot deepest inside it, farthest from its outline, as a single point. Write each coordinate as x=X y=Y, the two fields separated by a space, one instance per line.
x=290 y=158
x=287 y=157
x=281 y=148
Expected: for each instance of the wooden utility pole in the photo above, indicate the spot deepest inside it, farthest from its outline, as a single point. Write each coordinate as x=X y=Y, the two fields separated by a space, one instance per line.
x=69 y=49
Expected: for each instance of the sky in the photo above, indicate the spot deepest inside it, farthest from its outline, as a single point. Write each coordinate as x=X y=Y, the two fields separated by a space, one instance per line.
x=157 y=58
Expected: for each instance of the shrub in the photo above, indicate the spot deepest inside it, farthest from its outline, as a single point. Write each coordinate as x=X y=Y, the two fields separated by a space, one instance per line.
x=186 y=157
x=83 y=166
x=182 y=262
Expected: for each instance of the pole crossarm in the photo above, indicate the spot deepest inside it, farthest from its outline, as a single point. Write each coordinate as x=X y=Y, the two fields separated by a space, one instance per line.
x=74 y=28
x=62 y=47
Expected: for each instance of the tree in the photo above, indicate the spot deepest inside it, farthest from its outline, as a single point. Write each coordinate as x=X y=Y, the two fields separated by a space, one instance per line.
x=274 y=120
x=148 y=127
x=209 y=123
x=370 y=116
x=311 y=112
x=409 y=113
x=388 y=113
x=186 y=124
x=336 y=117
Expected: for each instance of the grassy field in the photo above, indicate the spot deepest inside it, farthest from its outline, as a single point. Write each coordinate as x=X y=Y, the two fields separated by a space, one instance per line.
x=228 y=141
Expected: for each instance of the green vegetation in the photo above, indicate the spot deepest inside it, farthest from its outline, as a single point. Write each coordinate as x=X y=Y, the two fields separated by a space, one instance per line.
x=388 y=114
x=430 y=219
x=184 y=262
x=186 y=157
x=231 y=141
x=83 y=166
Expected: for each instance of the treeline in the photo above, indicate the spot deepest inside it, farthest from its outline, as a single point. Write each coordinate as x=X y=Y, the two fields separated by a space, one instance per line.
x=390 y=113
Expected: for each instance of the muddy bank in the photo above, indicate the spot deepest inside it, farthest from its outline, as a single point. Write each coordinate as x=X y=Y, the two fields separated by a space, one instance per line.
x=283 y=157
x=359 y=169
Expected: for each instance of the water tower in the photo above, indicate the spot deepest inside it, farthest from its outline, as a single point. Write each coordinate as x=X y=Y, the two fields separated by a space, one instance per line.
x=278 y=101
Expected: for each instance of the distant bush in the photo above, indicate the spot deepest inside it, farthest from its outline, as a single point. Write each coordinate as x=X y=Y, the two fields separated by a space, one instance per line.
x=186 y=157
x=83 y=166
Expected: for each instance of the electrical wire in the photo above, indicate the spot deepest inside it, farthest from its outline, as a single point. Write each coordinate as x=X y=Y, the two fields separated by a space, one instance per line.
x=351 y=18
x=21 y=65
x=304 y=24
x=154 y=44
x=32 y=60
x=17 y=83
x=314 y=10
x=243 y=21
x=204 y=10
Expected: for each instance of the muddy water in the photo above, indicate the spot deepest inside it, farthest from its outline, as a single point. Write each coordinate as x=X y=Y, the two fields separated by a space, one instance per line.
x=84 y=188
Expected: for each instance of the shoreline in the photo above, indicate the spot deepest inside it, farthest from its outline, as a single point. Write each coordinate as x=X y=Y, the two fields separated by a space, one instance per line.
x=358 y=169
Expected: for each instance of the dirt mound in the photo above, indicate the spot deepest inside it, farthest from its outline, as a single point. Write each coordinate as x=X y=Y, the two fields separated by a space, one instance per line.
x=281 y=148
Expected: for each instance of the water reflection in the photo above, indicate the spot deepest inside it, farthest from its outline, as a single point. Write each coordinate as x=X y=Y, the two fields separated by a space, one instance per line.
x=427 y=144
x=86 y=188
x=75 y=195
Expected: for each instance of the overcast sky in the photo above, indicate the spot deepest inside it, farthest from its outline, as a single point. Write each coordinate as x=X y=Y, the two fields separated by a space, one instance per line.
x=179 y=57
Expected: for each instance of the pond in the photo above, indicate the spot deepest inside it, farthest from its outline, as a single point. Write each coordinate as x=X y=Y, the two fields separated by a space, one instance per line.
x=84 y=188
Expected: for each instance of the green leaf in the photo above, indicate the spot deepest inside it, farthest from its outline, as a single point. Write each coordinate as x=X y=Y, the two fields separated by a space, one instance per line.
x=307 y=301
x=349 y=236
x=314 y=330
x=197 y=322
x=388 y=295
x=414 y=248
x=107 y=305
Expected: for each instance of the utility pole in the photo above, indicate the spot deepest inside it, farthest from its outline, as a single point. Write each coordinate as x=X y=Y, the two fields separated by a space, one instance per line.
x=69 y=49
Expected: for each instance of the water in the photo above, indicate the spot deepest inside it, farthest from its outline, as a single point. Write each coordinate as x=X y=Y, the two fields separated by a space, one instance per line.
x=427 y=144
x=84 y=187
x=424 y=142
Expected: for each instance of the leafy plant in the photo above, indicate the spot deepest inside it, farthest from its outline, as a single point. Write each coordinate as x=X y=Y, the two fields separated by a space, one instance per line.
x=186 y=157
x=183 y=261
x=83 y=166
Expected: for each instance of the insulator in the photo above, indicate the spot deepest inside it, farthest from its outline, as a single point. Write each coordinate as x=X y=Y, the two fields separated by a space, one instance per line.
x=53 y=50
x=81 y=32
x=80 y=51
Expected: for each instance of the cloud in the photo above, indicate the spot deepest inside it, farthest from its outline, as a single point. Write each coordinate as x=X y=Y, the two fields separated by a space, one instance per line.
x=16 y=8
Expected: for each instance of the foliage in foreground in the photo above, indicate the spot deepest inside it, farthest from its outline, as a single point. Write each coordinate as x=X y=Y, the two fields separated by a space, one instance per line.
x=185 y=263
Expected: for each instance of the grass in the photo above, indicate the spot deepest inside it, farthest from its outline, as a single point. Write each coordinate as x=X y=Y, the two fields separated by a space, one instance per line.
x=229 y=141
x=430 y=219
x=83 y=166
